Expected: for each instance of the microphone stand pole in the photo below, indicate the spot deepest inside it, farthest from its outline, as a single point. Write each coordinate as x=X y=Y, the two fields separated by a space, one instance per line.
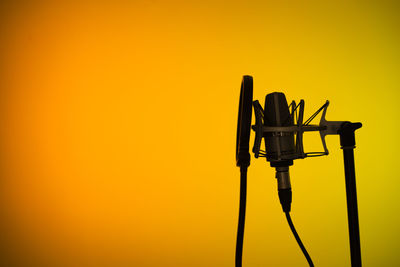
x=347 y=143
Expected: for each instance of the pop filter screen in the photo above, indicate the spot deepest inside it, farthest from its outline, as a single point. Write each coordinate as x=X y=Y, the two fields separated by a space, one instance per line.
x=244 y=122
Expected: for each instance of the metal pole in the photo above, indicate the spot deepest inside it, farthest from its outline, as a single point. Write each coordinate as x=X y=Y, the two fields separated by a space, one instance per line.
x=352 y=211
x=347 y=142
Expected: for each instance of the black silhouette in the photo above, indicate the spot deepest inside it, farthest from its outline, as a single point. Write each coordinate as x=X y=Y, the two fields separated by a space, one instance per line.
x=282 y=131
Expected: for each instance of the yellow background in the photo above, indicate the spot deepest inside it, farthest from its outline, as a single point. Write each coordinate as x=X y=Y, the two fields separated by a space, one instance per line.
x=118 y=127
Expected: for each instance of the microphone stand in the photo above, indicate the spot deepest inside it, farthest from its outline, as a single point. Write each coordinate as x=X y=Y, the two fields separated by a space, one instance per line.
x=347 y=143
x=345 y=130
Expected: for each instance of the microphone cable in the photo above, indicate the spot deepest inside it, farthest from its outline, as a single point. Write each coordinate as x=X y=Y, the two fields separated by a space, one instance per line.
x=242 y=215
x=296 y=236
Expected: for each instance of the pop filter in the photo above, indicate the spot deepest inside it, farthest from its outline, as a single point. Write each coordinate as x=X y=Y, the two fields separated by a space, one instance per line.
x=243 y=156
x=244 y=122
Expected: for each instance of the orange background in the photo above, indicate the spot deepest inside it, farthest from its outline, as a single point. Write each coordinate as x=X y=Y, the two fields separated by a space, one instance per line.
x=118 y=127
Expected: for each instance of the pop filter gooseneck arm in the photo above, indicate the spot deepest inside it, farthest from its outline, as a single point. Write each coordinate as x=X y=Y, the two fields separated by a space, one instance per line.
x=243 y=157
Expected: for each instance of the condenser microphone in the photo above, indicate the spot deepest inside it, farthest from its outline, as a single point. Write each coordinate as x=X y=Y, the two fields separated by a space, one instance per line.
x=282 y=128
x=280 y=145
x=280 y=150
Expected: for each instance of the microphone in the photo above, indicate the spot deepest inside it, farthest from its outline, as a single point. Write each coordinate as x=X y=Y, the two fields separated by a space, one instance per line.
x=282 y=128
x=280 y=151
x=280 y=145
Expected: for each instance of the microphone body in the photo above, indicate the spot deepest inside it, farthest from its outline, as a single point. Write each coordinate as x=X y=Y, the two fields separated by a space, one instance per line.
x=279 y=145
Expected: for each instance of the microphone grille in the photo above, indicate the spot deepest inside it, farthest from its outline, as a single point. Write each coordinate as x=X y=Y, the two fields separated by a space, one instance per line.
x=276 y=112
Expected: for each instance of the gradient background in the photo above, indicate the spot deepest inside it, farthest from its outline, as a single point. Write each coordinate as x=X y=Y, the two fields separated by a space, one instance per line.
x=118 y=127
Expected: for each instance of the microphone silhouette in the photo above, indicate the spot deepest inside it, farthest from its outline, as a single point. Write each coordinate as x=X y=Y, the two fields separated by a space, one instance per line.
x=281 y=127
